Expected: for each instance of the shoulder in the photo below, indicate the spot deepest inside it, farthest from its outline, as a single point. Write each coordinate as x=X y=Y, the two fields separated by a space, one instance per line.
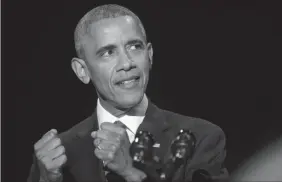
x=199 y=127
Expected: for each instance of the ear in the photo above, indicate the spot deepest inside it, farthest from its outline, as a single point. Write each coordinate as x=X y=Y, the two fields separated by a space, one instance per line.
x=80 y=69
x=150 y=51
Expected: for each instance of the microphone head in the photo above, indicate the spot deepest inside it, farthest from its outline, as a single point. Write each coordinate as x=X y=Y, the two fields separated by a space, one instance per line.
x=183 y=145
x=182 y=148
x=142 y=147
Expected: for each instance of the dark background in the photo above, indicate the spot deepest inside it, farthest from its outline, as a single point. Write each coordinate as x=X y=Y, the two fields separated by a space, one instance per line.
x=216 y=60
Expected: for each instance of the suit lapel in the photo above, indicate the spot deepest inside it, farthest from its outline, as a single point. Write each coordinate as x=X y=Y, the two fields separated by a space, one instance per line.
x=88 y=168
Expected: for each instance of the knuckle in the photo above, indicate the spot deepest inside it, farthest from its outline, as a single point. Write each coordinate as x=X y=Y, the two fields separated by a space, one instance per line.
x=96 y=151
x=35 y=146
x=110 y=156
x=63 y=149
x=55 y=142
x=58 y=141
x=97 y=141
x=98 y=134
x=48 y=165
x=60 y=161
x=98 y=154
x=48 y=135
x=44 y=160
x=64 y=158
x=38 y=154
x=60 y=150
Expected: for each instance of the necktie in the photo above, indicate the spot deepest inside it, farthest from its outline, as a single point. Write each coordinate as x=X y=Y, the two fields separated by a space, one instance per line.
x=120 y=124
x=130 y=134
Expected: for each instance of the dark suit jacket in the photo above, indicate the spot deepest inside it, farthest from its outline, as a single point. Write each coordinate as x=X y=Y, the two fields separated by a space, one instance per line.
x=83 y=166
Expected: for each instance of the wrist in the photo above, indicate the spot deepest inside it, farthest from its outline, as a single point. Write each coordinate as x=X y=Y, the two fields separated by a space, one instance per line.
x=58 y=177
x=134 y=175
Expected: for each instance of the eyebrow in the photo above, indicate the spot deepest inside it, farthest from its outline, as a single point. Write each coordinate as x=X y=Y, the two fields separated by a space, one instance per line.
x=135 y=41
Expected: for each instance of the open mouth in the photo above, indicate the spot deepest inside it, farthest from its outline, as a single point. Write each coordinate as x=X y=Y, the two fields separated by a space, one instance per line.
x=130 y=82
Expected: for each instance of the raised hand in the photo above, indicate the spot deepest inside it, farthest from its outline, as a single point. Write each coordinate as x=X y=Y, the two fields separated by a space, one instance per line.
x=50 y=154
x=112 y=146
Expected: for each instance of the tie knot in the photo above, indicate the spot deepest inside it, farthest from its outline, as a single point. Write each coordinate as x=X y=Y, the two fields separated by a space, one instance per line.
x=119 y=123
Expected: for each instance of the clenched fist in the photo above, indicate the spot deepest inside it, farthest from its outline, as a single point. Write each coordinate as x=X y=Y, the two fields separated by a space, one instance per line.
x=50 y=154
x=112 y=146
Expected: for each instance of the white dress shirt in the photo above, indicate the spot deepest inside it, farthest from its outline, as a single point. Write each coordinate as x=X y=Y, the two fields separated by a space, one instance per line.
x=132 y=122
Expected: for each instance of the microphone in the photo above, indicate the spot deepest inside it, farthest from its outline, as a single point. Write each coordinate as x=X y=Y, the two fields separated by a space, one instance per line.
x=182 y=149
x=141 y=150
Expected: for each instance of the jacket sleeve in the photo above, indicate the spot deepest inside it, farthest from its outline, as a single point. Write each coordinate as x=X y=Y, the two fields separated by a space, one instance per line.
x=208 y=160
x=34 y=174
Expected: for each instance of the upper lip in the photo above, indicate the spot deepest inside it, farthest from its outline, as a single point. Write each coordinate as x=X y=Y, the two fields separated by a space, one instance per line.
x=128 y=78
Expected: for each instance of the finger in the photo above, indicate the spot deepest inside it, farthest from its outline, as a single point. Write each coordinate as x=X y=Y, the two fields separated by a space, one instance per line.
x=113 y=137
x=106 y=145
x=94 y=134
x=52 y=131
x=106 y=156
x=45 y=138
x=53 y=165
x=107 y=135
x=50 y=145
x=52 y=154
x=117 y=128
x=97 y=141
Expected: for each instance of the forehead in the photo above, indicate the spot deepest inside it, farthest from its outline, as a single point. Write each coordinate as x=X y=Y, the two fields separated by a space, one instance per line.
x=110 y=30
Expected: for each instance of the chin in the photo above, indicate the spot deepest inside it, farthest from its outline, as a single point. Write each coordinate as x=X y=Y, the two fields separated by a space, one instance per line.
x=129 y=101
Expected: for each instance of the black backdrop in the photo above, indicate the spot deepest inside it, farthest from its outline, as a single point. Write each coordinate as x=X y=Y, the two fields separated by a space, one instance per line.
x=217 y=60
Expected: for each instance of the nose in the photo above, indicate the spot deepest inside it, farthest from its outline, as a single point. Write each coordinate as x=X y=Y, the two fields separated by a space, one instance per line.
x=126 y=62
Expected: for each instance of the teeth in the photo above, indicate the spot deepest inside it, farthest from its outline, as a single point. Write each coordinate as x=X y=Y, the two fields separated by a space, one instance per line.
x=126 y=82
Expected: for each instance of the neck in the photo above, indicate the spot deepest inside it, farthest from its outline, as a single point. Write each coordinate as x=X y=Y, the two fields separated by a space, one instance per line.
x=137 y=110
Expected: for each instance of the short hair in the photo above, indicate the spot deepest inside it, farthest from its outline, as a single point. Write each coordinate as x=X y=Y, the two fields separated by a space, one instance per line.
x=96 y=14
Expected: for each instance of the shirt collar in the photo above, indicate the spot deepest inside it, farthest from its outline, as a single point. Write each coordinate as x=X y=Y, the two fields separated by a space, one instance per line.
x=132 y=122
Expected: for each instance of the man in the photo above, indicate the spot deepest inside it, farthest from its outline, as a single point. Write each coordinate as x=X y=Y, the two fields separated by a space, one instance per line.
x=114 y=55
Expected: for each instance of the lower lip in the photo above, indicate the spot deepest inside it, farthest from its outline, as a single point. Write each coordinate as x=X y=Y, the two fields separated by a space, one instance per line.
x=129 y=85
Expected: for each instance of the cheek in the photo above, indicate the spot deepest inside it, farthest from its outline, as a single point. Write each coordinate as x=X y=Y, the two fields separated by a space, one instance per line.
x=145 y=66
x=143 y=62
x=100 y=76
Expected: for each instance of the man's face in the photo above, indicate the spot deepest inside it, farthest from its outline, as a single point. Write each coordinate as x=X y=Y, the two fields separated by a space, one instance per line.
x=118 y=61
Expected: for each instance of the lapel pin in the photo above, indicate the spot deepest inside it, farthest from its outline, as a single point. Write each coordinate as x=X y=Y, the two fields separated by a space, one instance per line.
x=156 y=145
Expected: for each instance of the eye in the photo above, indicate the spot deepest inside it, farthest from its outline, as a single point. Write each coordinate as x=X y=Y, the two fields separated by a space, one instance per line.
x=107 y=53
x=136 y=46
